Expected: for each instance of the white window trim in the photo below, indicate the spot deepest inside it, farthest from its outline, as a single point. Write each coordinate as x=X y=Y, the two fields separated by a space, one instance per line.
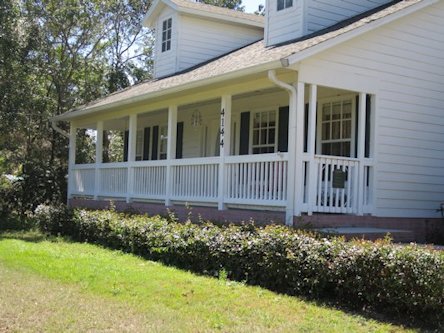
x=276 y=134
x=139 y=157
x=159 y=152
x=334 y=99
x=161 y=34
x=285 y=6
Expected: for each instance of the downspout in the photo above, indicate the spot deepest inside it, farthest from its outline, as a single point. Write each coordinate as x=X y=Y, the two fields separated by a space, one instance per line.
x=58 y=129
x=292 y=91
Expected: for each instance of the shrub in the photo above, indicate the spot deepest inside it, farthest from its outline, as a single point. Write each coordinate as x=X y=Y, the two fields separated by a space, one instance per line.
x=406 y=280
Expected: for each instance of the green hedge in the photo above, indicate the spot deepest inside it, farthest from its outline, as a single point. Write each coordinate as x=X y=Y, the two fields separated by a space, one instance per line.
x=401 y=280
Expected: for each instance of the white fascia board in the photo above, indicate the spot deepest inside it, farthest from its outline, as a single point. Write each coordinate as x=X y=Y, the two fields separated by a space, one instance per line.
x=297 y=57
x=169 y=91
x=156 y=7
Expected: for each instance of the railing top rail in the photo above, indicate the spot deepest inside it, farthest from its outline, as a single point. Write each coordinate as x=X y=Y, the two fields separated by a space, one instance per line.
x=275 y=157
x=84 y=166
x=336 y=158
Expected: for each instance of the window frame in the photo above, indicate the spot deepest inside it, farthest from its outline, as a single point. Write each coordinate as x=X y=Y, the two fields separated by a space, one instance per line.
x=140 y=143
x=253 y=113
x=320 y=141
x=166 y=34
x=162 y=155
x=285 y=4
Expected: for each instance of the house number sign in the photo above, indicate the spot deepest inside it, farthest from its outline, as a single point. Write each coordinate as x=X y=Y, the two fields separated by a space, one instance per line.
x=222 y=127
x=338 y=178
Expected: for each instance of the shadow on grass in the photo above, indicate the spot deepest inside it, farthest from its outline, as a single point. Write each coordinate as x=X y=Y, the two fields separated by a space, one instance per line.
x=418 y=324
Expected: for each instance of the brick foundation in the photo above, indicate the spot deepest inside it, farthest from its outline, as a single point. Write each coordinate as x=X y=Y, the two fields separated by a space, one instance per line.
x=422 y=229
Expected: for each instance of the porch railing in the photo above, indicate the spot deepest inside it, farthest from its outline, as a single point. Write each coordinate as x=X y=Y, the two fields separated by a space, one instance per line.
x=149 y=180
x=331 y=184
x=249 y=179
x=195 y=180
x=338 y=185
x=257 y=179
x=82 y=179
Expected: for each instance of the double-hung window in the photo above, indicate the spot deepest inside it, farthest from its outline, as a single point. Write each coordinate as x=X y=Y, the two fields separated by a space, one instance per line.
x=336 y=128
x=163 y=142
x=283 y=4
x=264 y=132
x=167 y=27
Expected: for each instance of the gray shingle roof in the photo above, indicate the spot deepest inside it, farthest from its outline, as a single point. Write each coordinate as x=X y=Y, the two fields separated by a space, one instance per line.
x=254 y=55
x=218 y=10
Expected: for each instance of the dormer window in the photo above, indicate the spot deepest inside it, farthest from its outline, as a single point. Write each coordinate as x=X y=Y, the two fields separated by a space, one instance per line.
x=166 y=34
x=283 y=4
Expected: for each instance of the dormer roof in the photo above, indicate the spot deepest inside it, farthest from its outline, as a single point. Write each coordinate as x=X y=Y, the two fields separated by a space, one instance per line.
x=202 y=10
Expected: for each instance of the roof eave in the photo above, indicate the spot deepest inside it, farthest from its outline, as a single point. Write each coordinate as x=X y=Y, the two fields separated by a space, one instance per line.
x=145 y=97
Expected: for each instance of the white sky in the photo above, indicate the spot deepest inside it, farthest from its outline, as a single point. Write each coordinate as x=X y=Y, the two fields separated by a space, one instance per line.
x=252 y=5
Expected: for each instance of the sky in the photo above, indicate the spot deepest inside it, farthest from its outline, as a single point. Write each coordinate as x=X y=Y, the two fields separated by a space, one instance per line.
x=252 y=5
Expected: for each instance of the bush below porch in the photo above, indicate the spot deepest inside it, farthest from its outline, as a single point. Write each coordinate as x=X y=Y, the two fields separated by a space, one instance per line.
x=420 y=230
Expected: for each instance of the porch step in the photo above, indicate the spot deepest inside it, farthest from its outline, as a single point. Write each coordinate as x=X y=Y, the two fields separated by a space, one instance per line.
x=369 y=233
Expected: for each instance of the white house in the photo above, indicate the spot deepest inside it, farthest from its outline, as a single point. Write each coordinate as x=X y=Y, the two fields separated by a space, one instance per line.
x=321 y=107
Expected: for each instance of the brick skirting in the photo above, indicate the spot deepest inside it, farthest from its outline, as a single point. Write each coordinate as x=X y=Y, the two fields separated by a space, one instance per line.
x=423 y=229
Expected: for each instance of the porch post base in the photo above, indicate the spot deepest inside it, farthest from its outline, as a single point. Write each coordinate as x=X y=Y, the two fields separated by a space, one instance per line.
x=289 y=218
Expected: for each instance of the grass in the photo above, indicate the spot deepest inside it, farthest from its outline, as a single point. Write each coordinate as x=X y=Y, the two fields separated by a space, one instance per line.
x=54 y=285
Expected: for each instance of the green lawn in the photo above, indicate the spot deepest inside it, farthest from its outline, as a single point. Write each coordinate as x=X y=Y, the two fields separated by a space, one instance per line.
x=60 y=286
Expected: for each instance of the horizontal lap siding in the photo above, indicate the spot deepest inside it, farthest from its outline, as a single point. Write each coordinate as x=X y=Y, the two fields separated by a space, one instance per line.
x=407 y=57
x=285 y=24
x=325 y=13
x=165 y=62
x=201 y=40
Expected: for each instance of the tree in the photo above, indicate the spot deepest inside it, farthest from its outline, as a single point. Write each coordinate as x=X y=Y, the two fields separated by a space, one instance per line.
x=129 y=44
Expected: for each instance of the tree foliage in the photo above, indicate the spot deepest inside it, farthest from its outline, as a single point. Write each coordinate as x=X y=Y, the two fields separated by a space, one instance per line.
x=55 y=56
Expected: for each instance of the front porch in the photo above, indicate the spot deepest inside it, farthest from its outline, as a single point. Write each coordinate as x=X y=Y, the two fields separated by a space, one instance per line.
x=266 y=149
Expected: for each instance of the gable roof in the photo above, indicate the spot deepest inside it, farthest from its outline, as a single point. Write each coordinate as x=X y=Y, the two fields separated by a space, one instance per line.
x=253 y=58
x=203 y=10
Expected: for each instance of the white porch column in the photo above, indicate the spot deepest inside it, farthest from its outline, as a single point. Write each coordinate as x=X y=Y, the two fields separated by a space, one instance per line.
x=171 y=151
x=72 y=157
x=361 y=150
x=292 y=160
x=99 y=158
x=311 y=149
x=299 y=142
x=132 y=137
x=225 y=144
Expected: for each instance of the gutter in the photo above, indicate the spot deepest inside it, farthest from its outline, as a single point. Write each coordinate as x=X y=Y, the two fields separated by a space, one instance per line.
x=292 y=91
x=58 y=129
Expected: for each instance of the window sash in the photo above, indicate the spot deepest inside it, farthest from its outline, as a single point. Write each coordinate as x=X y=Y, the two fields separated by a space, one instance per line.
x=337 y=127
x=264 y=132
x=284 y=4
x=166 y=34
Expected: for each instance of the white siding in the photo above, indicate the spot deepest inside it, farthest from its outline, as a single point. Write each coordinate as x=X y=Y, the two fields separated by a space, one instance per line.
x=201 y=40
x=165 y=62
x=285 y=24
x=325 y=13
x=308 y=16
x=407 y=56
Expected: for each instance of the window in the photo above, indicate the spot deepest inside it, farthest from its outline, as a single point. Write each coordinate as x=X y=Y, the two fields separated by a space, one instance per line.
x=139 y=145
x=163 y=142
x=283 y=4
x=166 y=34
x=264 y=132
x=337 y=130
